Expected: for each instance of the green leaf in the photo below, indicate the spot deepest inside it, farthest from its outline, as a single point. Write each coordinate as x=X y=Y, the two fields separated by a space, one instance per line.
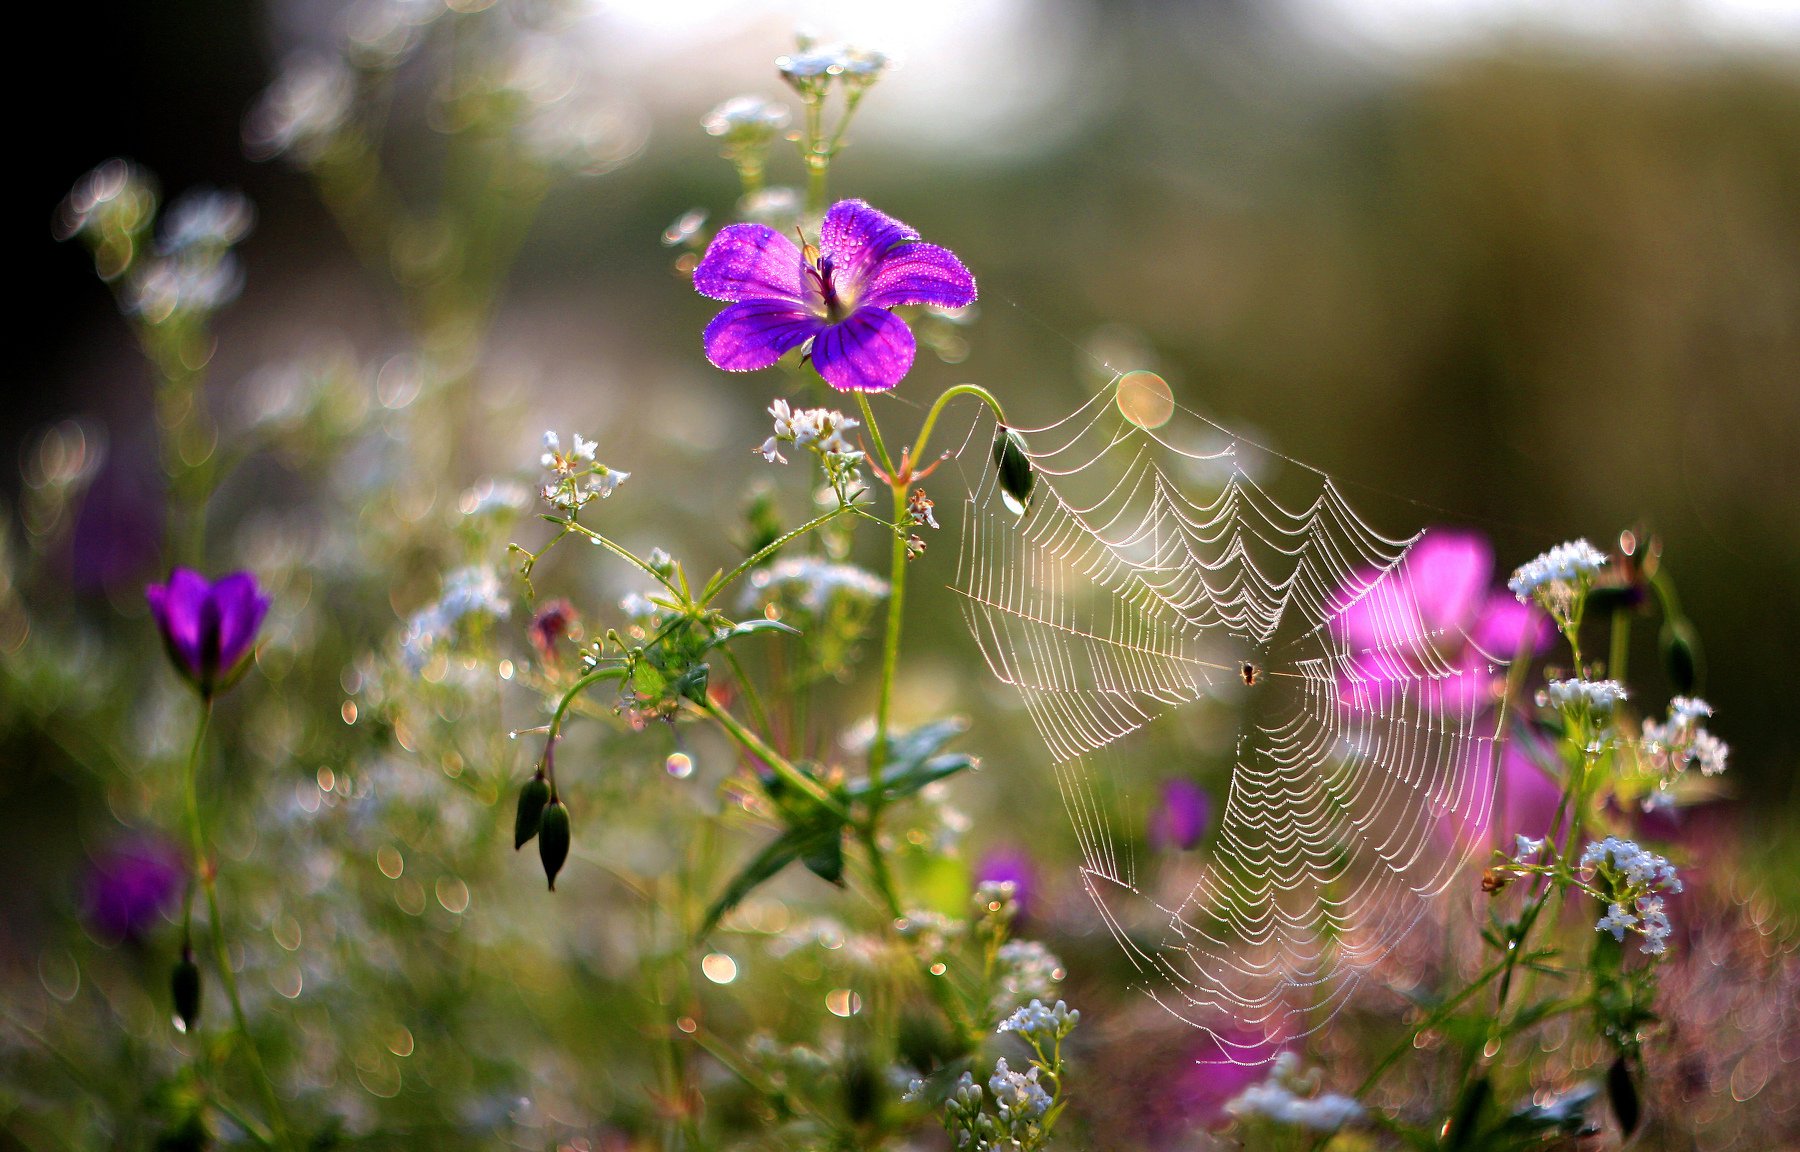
x=815 y=838
x=898 y=784
x=750 y=628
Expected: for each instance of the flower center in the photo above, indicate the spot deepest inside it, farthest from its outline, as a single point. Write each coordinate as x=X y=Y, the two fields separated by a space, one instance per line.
x=831 y=305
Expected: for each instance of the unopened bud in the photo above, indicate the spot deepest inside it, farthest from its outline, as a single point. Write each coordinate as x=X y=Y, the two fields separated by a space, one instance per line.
x=532 y=798
x=1681 y=656
x=1014 y=466
x=184 y=990
x=553 y=839
x=1621 y=1092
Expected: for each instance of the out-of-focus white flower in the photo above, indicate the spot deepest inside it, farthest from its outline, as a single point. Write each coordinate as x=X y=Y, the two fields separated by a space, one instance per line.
x=302 y=111
x=1279 y=1098
x=1596 y=696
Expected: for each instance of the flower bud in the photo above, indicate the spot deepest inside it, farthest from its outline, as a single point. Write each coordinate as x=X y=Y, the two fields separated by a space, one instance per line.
x=553 y=839
x=532 y=798
x=1681 y=655
x=1016 y=474
x=1621 y=1092
x=184 y=990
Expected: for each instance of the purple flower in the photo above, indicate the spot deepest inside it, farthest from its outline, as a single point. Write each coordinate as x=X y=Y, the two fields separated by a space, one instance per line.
x=130 y=886
x=1000 y=865
x=1179 y=820
x=1432 y=619
x=837 y=295
x=1524 y=802
x=209 y=627
x=1217 y=1067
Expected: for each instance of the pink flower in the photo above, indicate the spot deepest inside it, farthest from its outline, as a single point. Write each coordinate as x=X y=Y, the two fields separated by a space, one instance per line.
x=1431 y=625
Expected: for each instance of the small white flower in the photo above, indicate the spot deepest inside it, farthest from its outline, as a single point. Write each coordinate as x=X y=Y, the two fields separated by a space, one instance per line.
x=1526 y=848
x=1017 y=1097
x=1616 y=921
x=1565 y=565
x=1597 y=696
x=771 y=451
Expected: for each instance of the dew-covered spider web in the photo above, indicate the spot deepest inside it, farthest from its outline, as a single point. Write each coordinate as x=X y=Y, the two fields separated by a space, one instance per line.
x=1163 y=563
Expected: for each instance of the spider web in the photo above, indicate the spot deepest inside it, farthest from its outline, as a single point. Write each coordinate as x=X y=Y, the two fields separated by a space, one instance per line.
x=1156 y=568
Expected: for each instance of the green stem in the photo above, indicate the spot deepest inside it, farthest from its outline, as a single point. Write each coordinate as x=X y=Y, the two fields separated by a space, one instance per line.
x=975 y=390
x=1621 y=645
x=624 y=554
x=718 y=584
x=881 y=452
x=754 y=744
x=890 y=655
x=221 y=954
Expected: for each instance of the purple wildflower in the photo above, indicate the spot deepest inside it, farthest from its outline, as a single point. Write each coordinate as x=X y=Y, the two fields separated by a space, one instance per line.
x=209 y=627
x=1179 y=820
x=130 y=886
x=1002 y=865
x=1432 y=619
x=838 y=295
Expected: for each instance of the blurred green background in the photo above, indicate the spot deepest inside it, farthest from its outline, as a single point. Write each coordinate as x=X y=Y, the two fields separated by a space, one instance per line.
x=1541 y=279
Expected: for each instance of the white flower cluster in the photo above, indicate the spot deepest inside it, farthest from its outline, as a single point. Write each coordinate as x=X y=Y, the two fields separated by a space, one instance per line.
x=822 y=62
x=1025 y=969
x=1632 y=876
x=206 y=218
x=1039 y=1026
x=188 y=283
x=819 y=429
x=1288 y=1097
x=1595 y=696
x=472 y=592
x=1019 y=1098
x=815 y=582
x=746 y=120
x=1682 y=741
x=1557 y=571
x=1526 y=849
x=567 y=471
x=302 y=112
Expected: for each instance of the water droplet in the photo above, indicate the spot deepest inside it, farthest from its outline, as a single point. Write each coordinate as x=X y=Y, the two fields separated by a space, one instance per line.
x=843 y=1002
x=679 y=765
x=719 y=968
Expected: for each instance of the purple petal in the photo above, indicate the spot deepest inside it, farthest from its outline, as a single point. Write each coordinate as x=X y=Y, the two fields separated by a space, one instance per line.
x=920 y=274
x=858 y=238
x=1377 y=613
x=178 y=607
x=130 y=886
x=755 y=333
x=241 y=609
x=869 y=351
x=1524 y=803
x=1449 y=572
x=750 y=262
x=1505 y=624
x=1180 y=819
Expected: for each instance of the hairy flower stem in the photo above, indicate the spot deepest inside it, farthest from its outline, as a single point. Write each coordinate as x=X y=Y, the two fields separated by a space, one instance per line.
x=222 y=955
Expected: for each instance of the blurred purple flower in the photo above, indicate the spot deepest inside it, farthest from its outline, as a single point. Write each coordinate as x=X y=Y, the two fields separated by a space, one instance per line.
x=118 y=533
x=999 y=865
x=1524 y=803
x=1216 y=1069
x=209 y=627
x=1180 y=818
x=130 y=886
x=837 y=295
x=1433 y=621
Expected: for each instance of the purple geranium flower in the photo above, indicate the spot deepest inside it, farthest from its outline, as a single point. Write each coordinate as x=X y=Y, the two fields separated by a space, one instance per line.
x=130 y=886
x=1179 y=820
x=837 y=295
x=209 y=627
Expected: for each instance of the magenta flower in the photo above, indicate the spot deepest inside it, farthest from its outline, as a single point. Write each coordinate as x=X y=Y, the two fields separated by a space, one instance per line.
x=1434 y=620
x=209 y=628
x=838 y=295
x=1010 y=865
x=130 y=886
x=1524 y=800
x=1179 y=820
